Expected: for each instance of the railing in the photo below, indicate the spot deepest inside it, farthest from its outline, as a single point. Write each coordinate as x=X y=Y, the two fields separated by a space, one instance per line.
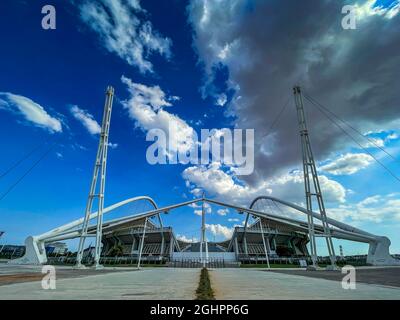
x=197 y=263
x=108 y=261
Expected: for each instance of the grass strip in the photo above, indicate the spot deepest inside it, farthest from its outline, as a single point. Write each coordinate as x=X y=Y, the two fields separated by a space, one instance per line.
x=204 y=290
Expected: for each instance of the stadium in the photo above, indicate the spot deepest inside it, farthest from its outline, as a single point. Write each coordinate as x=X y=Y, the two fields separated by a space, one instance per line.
x=142 y=237
x=273 y=229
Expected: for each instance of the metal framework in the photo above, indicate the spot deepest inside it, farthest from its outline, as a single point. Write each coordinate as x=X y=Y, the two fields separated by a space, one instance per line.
x=99 y=168
x=378 y=253
x=311 y=184
x=203 y=240
x=35 y=245
x=142 y=242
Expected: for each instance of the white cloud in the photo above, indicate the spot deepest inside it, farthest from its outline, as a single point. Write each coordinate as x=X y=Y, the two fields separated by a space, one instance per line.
x=392 y=136
x=223 y=212
x=185 y=239
x=348 y=164
x=220 y=230
x=374 y=143
x=225 y=186
x=216 y=182
x=198 y=208
x=198 y=212
x=113 y=145
x=221 y=100
x=86 y=119
x=233 y=220
x=146 y=106
x=123 y=30
x=32 y=111
x=369 y=8
x=376 y=208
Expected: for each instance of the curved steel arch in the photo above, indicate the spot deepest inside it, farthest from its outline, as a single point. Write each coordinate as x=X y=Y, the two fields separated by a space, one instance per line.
x=61 y=230
x=331 y=221
x=378 y=253
x=35 y=252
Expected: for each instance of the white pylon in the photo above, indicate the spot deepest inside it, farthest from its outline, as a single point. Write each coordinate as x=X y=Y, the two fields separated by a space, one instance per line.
x=203 y=240
x=309 y=168
x=99 y=167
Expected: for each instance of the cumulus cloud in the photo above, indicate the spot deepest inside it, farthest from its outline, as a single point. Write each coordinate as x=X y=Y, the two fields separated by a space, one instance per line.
x=89 y=122
x=183 y=238
x=30 y=110
x=198 y=208
x=346 y=71
x=123 y=30
x=376 y=208
x=223 y=212
x=222 y=184
x=220 y=230
x=146 y=106
x=113 y=145
x=86 y=119
x=218 y=183
x=348 y=164
x=221 y=100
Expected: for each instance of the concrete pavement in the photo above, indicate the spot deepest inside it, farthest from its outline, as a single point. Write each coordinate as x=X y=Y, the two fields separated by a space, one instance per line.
x=260 y=284
x=147 y=283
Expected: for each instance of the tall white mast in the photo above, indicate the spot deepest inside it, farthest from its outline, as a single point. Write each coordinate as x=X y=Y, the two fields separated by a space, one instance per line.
x=312 y=186
x=99 y=167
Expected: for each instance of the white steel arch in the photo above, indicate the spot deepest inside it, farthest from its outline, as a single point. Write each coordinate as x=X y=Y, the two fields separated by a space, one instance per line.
x=378 y=246
x=35 y=252
x=378 y=253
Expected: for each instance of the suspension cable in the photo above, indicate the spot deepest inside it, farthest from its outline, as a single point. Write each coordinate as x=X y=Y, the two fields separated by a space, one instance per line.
x=350 y=126
x=17 y=163
x=27 y=172
x=352 y=138
x=277 y=118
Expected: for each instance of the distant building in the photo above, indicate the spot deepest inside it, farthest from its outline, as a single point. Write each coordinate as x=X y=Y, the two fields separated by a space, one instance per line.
x=12 y=251
x=58 y=248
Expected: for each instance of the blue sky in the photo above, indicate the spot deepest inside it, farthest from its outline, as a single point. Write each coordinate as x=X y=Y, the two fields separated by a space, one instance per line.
x=199 y=54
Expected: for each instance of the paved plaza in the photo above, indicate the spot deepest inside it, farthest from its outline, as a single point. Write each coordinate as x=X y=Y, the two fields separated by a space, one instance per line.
x=147 y=283
x=24 y=282
x=260 y=284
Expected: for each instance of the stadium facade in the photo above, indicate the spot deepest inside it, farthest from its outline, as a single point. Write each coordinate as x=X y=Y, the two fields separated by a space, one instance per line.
x=256 y=243
x=269 y=236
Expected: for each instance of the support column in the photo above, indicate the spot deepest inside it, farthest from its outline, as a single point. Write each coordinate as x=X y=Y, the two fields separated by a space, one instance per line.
x=142 y=243
x=245 y=235
x=162 y=235
x=99 y=170
x=171 y=247
x=237 y=248
x=268 y=245
x=312 y=185
x=263 y=240
x=133 y=244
